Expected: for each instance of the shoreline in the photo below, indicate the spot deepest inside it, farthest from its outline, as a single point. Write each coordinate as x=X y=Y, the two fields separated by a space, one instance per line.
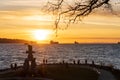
x=52 y=72
x=57 y=66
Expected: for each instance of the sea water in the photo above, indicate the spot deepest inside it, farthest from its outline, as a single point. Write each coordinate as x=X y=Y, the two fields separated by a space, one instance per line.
x=109 y=54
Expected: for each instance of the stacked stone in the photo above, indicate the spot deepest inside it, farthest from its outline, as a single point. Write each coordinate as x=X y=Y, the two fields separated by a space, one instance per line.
x=30 y=61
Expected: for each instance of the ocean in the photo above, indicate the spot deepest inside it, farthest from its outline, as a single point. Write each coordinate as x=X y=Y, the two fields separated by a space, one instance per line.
x=108 y=54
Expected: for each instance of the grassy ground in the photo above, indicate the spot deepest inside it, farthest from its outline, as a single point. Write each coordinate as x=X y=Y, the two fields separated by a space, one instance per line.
x=58 y=72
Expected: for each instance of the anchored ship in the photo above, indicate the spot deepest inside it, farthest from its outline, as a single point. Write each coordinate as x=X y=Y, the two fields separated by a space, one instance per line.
x=54 y=42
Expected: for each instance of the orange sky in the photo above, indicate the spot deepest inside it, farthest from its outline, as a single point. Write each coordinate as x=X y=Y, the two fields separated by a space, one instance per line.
x=18 y=20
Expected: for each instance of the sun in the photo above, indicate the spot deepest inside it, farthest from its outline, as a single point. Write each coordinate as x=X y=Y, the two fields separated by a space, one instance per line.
x=41 y=34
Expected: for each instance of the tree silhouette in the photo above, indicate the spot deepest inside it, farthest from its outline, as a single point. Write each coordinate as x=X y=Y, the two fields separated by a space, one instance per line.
x=73 y=10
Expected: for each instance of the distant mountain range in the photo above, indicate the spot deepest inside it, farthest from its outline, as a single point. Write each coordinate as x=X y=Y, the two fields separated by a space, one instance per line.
x=6 y=40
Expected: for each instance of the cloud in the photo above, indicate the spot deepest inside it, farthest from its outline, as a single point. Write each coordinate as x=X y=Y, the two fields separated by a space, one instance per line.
x=103 y=20
x=23 y=20
x=20 y=4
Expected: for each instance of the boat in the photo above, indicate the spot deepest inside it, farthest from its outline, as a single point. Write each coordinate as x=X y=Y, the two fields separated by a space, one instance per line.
x=76 y=42
x=54 y=42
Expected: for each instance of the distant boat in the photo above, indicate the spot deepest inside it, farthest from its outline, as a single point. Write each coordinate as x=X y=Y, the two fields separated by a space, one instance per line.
x=76 y=42
x=54 y=42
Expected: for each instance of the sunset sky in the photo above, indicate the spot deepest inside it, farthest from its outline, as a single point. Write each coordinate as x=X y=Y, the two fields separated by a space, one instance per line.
x=20 y=19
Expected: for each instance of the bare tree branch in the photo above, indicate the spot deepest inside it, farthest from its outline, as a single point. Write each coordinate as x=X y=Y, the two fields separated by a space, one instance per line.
x=76 y=9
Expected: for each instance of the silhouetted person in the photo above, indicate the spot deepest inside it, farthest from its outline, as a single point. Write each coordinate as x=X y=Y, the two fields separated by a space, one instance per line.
x=78 y=61
x=15 y=66
x=63 y=62
x=11 y=66
x=46 y=61
x=85 y=61
x=74 y=62
x=93 y=63
x=43 y=61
